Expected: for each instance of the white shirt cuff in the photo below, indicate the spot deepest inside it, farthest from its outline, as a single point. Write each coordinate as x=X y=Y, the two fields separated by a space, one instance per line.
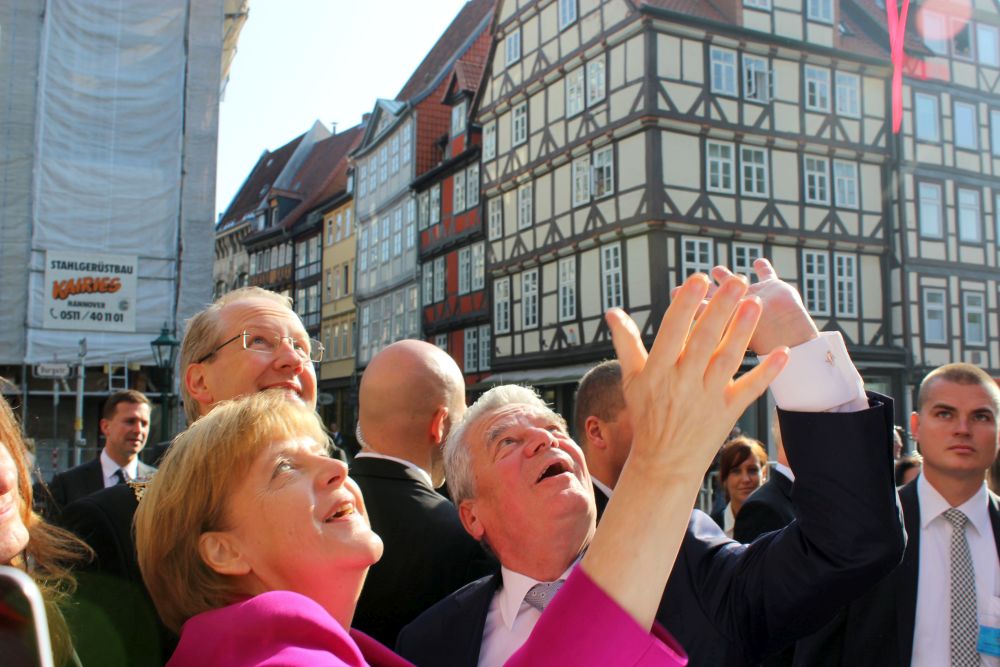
x=820 y=377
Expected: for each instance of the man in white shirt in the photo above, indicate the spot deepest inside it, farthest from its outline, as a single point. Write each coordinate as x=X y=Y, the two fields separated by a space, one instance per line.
x=523 y=489
x=125 y=426
x=941 y=606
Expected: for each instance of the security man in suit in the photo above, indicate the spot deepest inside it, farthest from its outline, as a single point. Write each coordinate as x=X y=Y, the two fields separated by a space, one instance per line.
x=718 y=588
x=940 y=606
x=411 y=394
x=125 y=426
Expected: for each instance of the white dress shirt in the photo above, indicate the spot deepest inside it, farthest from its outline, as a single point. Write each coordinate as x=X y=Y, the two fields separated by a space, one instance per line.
x=509 y=619
x=931 y=629
x=109 y=468
x=728 y=520
x=368 y=454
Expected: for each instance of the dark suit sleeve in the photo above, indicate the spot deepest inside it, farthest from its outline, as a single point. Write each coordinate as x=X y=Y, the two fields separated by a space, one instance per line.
x=847 y=535
x=755 y=519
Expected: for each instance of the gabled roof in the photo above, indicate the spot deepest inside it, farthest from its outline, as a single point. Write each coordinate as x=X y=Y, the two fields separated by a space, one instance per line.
x=257 y=184
x=385 y=114
x=466 y=75
x=474 y=15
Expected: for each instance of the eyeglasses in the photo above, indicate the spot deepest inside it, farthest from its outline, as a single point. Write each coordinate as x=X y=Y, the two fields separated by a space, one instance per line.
x=267 y=342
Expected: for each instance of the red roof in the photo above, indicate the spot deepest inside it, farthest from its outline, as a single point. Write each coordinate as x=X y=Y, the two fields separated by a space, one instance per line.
x=258 y=183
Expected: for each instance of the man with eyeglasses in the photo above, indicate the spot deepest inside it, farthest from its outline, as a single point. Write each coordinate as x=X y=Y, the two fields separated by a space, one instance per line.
x=249 y=340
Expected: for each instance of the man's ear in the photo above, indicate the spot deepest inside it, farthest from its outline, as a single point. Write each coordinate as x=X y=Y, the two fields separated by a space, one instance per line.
x=221 y=553
x=439 y=425
x=470 y=520
x=915 y=426
x=104 y=423
x=197 y=384
x=593 y=432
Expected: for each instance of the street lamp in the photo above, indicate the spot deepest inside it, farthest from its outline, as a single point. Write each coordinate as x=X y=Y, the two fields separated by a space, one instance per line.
x=165 y=354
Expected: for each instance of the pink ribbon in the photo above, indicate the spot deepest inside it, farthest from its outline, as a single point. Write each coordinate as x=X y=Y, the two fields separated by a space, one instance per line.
x=897 y=37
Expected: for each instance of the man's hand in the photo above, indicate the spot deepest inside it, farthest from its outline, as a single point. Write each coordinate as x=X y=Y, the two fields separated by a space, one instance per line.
x=784 y=320
x=682 y=396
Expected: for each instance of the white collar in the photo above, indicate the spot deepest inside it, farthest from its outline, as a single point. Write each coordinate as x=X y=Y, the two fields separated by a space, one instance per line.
x=369 y=454
x=515 y=587
x=933 y=504
x=784 y=470
x=109 y=467
x=604 y=488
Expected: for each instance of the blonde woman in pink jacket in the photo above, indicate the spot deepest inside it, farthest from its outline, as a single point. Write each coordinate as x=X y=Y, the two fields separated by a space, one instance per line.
x=255 y=545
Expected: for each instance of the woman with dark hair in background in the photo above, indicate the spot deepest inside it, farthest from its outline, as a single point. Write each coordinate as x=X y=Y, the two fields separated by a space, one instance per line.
x=742 y=469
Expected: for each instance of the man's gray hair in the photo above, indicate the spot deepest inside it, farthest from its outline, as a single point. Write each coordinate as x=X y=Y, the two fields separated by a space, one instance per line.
x=457 y=448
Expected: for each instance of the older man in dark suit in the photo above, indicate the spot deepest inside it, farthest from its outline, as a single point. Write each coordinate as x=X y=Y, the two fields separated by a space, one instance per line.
x=720 y=601
x=125 y=427
x=939 y=607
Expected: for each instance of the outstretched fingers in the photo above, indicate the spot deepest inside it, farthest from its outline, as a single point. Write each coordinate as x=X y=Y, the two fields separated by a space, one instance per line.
x=627 y=341
x=676 y=323
x=745 y=389
x=729 y=354
x=712 y=324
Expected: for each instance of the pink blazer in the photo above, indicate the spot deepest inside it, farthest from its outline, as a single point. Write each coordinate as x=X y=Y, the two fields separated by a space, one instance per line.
x=291 y=630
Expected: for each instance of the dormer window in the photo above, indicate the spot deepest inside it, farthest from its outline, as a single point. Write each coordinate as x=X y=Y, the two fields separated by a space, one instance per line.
x=458 y=118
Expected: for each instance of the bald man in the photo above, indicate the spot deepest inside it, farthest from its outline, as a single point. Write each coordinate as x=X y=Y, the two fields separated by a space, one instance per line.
x=411 y=394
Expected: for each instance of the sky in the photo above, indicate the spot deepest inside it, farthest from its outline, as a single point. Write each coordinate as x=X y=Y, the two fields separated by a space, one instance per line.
x=298 y=61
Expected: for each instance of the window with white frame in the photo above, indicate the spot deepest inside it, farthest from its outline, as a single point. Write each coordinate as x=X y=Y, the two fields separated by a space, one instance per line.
x=501 y=304
x=611 y=277
x=394 y=154
x=472 y=186
x=845 y=275
x=372 y=175
x=435 y=212
x=930 y=210
x=974 y=318
x=363 y=180
x=484 y=347
x=464 y=270
x=407 y=142
x=595 y=81
x=935 y=31
x=411 y=223
x=529 y=298
x=512 y=47
x=817 y=173
x=439 y=278
x=744 y=255
x=723 y=63
x=363 y=249
x=490 y=140
x=820 y=10
x=603 y=183
x=423 y=210
x=519 y=124
x=397 y=232
x=581 y=180
x=383 y=164
x=525 y=210
x=970 y=224
x=935 y=320
x=753 y=170
x=567 y=288
x=987 y=45
x=385 y=233
x=848 y=93
x=960 y=29
x=347 y=223
x=845 y=183
x=966 y=125
x=995 y=131
x=471 y=335
x=928 y=118
x=996 y=212
x=365 y=335
x=574 y=92
x=816 y=282
x=478 y=265
x=817 y=88
x=567 y=13
x=719 y=166
x=494 y=216
x=427 y=283
x=458 y=118
x=458 y=192
x=756 y=79
x=441 y=341
x=698 y=256
x=757 y=4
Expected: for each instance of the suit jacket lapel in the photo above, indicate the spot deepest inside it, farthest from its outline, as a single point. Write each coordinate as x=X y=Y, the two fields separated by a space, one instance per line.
x=600 y=501
x=95 y=475
x=467 y=639
x=907 y=573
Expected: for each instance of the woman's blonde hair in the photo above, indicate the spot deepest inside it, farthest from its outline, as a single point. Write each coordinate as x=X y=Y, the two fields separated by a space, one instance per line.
x=51 y=551
x=189 y=496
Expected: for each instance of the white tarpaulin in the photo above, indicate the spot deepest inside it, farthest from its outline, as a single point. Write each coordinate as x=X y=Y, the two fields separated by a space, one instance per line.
x=124 y=163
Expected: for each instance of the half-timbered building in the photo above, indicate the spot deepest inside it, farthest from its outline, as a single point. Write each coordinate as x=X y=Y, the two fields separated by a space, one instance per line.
x=629 y=144
x=402 y=142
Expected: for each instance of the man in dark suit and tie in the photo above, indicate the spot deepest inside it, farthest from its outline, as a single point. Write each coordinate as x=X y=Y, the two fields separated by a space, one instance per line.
x=770 y=507
x=941 y=601
x=720 y=601
x=125 y=426
x=411 y=393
